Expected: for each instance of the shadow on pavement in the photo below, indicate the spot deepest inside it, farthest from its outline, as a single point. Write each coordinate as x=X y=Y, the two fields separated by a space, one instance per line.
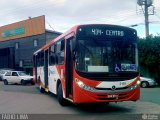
x=103 y=108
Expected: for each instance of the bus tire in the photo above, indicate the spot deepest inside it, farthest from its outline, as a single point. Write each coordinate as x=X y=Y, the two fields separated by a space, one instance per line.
x=61 y=100
x=41 y=89
x=32 y=82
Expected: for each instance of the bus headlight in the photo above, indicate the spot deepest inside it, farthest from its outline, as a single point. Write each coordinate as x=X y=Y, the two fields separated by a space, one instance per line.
x=136 y=85
x=138 y=82
x=84 y=86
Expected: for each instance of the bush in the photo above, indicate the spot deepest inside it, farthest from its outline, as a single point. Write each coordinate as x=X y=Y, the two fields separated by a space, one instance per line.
x=149 y=55
x=149 y=51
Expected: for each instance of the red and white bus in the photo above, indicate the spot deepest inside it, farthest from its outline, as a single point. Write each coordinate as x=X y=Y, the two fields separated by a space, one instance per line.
x=90 y=64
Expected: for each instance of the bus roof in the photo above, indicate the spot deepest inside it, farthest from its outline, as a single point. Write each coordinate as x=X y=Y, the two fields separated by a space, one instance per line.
x=73 y=30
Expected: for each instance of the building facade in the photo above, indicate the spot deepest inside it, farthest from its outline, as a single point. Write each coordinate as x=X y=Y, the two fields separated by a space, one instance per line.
x=18 y=42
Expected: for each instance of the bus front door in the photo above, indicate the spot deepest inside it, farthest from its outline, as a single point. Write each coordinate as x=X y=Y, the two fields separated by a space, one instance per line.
x=69 y=68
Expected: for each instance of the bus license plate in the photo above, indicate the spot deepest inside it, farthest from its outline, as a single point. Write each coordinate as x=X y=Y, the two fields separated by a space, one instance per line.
x=113 y=96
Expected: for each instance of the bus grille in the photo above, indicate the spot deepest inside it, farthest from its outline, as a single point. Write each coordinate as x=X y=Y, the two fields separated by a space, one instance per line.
x=122 y=88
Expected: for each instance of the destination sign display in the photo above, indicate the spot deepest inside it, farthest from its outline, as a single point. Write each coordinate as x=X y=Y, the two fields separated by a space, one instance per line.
x=97 y=32
x=108 y=31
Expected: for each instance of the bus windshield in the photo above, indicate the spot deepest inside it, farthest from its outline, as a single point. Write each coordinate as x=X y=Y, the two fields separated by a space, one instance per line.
x=96 y=55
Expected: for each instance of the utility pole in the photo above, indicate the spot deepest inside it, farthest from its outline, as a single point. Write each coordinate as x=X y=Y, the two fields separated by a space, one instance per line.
x=146 y=18
x=145 y=4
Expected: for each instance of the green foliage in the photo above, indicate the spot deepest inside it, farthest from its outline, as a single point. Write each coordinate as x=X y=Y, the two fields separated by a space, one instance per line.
x=149 y=51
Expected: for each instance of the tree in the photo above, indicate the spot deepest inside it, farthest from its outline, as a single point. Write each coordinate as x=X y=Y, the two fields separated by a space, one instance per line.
x=149 y=54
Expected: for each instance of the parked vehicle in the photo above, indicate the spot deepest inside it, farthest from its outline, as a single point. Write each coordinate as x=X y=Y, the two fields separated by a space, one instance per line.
x=3 y=71
x=147 y=82
x=1 y=74
x=17 y=77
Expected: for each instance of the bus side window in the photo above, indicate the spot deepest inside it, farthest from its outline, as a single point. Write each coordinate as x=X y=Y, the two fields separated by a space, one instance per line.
x=60 y=52
x=42 y=58
x=38 y=60
x=52 y=59
x=35 y=57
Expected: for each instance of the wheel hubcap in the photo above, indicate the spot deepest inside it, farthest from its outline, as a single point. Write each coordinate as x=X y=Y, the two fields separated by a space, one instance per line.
x=144 y=85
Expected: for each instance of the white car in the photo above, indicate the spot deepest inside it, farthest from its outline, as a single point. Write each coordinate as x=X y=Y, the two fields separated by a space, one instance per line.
x=147 y=82
x=3 y=72
x=17 y=77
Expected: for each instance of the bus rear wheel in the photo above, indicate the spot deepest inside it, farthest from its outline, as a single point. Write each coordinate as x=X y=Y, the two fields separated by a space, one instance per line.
x=41 y=89
x=61 y=100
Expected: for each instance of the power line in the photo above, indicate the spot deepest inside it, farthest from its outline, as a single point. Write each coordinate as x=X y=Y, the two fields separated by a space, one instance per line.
x=145 y=4
x=119 y=16
x=34 y=5
x=50 y=25
x=4 y=12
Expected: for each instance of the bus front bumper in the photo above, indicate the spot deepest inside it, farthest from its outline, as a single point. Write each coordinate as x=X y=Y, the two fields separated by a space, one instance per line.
x=83 y=96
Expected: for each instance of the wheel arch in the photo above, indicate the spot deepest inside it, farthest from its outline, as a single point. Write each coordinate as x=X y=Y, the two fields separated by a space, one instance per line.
x=147 y=83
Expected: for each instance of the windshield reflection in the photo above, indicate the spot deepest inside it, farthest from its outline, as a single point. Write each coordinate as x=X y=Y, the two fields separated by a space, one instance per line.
x=22 y=73
x=95 y=55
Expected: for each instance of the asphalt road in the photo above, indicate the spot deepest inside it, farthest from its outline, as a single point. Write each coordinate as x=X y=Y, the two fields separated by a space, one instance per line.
x=28 y=100
x=151 y=95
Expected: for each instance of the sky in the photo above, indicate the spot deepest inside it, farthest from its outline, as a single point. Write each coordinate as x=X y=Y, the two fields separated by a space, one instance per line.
x=61 y=15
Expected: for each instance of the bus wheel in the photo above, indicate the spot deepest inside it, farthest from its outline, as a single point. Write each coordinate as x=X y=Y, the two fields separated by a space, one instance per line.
x=61 y=100
x=41 y=89
x=32 y=83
